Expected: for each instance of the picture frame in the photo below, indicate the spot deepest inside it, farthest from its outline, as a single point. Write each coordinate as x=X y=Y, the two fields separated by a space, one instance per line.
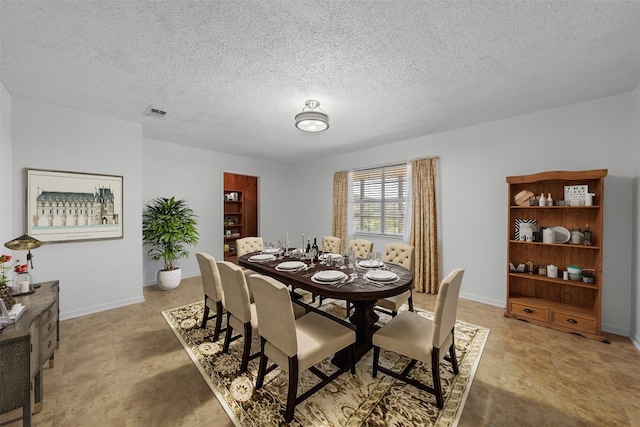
x=64 y=206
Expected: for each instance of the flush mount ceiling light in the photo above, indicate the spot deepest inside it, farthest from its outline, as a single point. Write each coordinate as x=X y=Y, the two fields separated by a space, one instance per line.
x=310 y=120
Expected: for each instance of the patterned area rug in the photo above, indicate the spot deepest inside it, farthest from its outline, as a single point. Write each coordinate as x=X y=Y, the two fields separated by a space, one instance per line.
x=359 y=400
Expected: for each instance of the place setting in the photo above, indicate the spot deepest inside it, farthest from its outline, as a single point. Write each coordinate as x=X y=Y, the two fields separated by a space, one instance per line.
x=333 y=278
x=380 y=278
x=262 y=258
x=291 y=266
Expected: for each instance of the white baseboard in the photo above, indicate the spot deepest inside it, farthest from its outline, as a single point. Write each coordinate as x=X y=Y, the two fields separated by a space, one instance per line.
x=489 y=301
x=64 y=315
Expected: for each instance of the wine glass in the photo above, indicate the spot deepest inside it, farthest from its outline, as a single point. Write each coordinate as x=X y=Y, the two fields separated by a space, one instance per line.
x=312 y=255
x=353 y=260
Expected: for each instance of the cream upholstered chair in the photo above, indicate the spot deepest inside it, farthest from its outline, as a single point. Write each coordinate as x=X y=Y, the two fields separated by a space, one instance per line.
x=213 y=293
x=296 y=345
x=246 y=245
x=423 y=340
x=362 y=248
x=403 y=255
x=332 y=244
x=241 y=313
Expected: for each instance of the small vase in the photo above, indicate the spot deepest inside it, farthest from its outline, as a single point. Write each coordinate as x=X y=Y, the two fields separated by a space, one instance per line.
x=7 y=296
x=22 y=283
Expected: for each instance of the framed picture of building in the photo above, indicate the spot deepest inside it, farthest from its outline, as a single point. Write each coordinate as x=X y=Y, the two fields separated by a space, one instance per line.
x=73 y=206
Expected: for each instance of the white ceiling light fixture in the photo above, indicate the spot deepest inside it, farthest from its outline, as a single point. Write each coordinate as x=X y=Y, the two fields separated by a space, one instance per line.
x=310 y=120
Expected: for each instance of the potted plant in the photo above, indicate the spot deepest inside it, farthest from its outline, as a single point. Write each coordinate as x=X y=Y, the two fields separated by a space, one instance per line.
x=168 y=226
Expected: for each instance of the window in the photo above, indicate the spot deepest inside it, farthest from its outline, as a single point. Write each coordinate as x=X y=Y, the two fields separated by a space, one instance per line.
x=379 y=200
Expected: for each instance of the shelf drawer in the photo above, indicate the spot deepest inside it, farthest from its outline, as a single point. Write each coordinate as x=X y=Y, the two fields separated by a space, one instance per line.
x=529 y=311
x=580 y=323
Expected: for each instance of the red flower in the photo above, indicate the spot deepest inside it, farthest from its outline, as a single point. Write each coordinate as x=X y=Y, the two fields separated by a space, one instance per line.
x=5 y=258
x=20 y=268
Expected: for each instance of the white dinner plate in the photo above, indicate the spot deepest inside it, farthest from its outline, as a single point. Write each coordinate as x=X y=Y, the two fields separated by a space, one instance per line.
x=271 y=251
x=561 y=234
x=262 y=258
x=290 y=265
x=381 y=275
x=370 y=263
x=333 y=256
x=329 y=276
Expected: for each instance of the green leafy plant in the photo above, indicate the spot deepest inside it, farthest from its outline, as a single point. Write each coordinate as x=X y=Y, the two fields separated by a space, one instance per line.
x=169 y=225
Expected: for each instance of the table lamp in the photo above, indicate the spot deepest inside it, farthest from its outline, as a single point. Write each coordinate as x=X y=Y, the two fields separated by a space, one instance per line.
x=24 y=242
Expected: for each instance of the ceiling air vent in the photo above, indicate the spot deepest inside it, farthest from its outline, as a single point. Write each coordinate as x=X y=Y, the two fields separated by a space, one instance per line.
x=154 y=112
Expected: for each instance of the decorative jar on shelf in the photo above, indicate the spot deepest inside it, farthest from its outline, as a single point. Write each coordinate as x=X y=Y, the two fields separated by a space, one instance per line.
x=22 y=283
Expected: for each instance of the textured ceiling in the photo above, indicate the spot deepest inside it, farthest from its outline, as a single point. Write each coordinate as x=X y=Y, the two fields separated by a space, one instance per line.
x=232 y=74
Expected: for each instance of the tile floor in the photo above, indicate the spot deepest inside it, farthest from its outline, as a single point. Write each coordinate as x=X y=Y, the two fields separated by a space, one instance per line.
x=124 y=367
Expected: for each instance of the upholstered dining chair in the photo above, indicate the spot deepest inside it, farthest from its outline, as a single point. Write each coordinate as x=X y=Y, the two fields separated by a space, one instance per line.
x=246 y=245
x=403 y=255
x=241 y=313
x=423 y=340
x=362 y=248
x=296 y=345
x=332 y=244
x=213 y=293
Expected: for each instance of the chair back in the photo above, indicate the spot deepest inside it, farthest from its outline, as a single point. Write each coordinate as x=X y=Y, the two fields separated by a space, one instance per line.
x=362 y=248
x=247 y=245
x=332 y=244
x=211 y=282
x=276 y=320
x=236 y=292
x=399 y=254
x=444 y=314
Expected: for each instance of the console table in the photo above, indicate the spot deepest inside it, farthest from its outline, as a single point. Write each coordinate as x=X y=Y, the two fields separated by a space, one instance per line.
x=25 y=347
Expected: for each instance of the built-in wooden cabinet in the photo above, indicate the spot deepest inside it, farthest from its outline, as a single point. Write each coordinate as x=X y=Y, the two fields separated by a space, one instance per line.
x=567 y=305
x=240 y=214
x=233 y=222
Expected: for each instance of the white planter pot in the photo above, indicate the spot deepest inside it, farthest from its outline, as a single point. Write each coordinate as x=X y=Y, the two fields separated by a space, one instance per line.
x=169 y=279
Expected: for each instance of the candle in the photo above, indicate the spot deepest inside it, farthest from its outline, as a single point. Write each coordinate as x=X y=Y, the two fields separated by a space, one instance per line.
x=23 y=286
x=302 y=241
x=286 y=241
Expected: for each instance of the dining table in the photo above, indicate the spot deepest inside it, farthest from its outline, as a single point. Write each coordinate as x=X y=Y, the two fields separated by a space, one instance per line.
x=357 y=289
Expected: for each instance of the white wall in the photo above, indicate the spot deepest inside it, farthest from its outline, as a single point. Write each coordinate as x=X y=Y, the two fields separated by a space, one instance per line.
x=197 y=176
x=6 y=183
x=635 y=289
x=95 y=275
x=473 y=164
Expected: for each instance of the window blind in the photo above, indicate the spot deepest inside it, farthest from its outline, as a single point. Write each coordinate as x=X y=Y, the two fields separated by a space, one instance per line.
x=379 y=199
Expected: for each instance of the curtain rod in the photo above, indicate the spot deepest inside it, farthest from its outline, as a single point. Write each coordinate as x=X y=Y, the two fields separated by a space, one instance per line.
x=384 y=165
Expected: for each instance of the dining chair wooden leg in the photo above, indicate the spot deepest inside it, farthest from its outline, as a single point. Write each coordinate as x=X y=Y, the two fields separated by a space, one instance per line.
x=246 y=351
x=227 y=336
x=411 y=301
x=293 y=388
x=262 y=367
x=219 y=314
x=376 y=357
x=205 y=315
x=435 y=372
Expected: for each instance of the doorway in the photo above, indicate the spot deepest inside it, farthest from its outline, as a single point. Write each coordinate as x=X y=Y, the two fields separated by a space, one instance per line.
x=240 y=211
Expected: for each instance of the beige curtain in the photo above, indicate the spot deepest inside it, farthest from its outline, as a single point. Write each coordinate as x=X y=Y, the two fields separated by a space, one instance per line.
x=424 y=225
x=340 y=206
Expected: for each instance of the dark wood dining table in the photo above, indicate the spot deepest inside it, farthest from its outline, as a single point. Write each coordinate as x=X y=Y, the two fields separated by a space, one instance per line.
x=360 y=293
